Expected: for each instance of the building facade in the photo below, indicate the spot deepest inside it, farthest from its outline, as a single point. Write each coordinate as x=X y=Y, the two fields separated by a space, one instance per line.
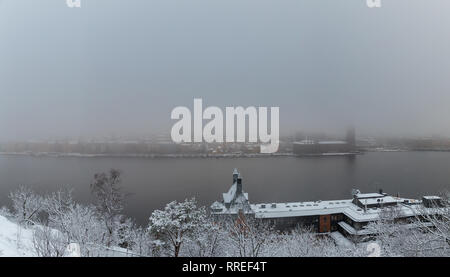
x=317 y=147
x=348 y=216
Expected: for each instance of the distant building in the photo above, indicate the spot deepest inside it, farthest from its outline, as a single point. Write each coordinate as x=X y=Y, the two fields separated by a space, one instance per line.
x=317 y=147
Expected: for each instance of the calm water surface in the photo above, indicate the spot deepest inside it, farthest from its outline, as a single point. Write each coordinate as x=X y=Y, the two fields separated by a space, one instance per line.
x=154 y=182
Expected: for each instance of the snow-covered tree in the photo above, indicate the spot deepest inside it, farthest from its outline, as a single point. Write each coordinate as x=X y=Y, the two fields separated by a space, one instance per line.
x=26 y=204
x=433 y=223
x=139 y=241
x=303 y=242
x=422 y=235
x=176 y=222
x=109 y=200
x=388 y=231
x=48 y=242
x=248 y=235
x=85 y=228
x=57 y=205
x=207 y=240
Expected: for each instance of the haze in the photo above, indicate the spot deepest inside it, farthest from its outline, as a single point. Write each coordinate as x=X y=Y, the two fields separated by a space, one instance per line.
x=120 y=67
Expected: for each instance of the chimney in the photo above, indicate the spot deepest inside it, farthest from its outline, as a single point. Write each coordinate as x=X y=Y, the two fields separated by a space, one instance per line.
x=239 y=185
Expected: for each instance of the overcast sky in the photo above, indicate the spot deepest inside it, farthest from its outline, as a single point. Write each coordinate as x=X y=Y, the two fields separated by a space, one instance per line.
x=121 y=66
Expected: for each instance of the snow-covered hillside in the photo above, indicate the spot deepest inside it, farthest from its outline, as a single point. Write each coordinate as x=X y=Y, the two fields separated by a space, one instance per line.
x=15 y=241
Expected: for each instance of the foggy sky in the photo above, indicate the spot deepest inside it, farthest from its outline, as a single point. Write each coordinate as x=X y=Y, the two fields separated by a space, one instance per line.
x=120 y=67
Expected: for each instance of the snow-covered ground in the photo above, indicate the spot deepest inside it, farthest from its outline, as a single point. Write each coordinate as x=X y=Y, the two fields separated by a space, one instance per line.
x=15 y=241
x=341 y=241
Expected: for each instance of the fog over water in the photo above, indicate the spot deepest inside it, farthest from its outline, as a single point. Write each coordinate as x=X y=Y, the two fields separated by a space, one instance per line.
x=120 y=67
x=154 y=182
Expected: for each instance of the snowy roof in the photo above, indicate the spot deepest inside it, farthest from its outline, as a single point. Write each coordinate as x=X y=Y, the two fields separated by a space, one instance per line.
x=407 y=208
x=229 y=196
x=216 y=205
x=380 y=200
x=368 y=195
x=431 y=197
x=358 y=214
x=346 y=207
x=293 y=209
x=352 y=231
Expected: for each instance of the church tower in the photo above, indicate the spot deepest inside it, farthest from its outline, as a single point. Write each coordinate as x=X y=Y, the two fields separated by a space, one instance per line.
x=235 y=175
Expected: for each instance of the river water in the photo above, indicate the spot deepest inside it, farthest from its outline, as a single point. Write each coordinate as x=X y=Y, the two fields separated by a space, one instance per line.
x=151 y=183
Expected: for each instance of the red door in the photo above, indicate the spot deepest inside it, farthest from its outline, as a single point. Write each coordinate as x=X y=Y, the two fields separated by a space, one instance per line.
x=324 y=223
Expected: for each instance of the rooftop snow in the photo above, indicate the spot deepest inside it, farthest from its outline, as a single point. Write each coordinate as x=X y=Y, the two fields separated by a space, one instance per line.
x=293 y=209
x=368 y=195
x=346 y=207
x=431 y=197
x=380 y=200
x=229 y=196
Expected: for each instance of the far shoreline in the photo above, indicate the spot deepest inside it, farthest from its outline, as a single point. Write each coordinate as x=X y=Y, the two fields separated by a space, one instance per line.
x=175 y=156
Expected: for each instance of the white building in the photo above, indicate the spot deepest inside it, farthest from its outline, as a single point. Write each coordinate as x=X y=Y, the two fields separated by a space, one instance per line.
x=349 y=216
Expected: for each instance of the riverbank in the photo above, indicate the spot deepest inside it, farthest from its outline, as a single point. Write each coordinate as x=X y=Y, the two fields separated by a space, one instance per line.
x=150 y=156
x=177 y=156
